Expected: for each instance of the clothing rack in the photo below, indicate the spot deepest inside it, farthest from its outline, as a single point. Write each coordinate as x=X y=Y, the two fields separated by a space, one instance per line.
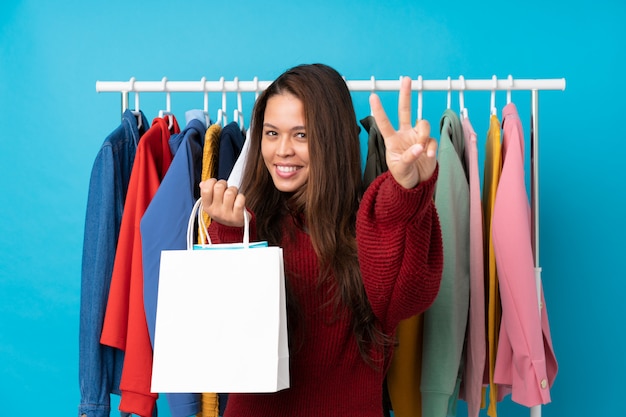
x=256 y=86
x=373 y=85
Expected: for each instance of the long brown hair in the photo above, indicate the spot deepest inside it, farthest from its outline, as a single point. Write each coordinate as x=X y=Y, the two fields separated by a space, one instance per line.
x=332 y=191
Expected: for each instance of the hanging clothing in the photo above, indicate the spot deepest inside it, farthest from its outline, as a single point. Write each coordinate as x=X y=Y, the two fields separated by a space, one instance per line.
x=475 y=343
x=525 y=362
x=397 y=230
x=100 y=367
x=161 y=222
x=231 y=142
x=405 y=372
x=164 y=227
x=210 y=159
x=445 y=321
x=376 y=162
x=125 y=320
x=491 y=177
x=237 y=172
x=230 y=165
x=403 y=378
x=210 y=406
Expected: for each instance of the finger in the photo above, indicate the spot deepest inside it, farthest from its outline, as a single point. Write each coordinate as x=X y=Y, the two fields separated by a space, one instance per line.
x=404 y=103
x=410 y=155
x=431 y=148
x=239 y=205
x=207 y=186
x=382 y=121
x=218 y=193
x=414 y=151
x=422 y=127
x=230 y=194
x=206 y=192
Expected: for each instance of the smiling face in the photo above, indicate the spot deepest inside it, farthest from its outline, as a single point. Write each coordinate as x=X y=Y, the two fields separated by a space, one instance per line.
x=284 y=143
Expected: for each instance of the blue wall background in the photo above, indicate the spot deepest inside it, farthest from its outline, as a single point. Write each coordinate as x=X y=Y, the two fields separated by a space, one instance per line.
x=52 y=123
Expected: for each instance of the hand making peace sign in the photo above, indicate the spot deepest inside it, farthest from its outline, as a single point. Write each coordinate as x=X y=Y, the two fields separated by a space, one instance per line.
x=411 y=153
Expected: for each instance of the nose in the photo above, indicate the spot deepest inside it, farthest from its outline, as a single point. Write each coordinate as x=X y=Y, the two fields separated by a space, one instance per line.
x=284 y=146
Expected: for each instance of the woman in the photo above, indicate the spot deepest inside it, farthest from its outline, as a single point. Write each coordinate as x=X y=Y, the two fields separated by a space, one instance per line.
x=355 y=263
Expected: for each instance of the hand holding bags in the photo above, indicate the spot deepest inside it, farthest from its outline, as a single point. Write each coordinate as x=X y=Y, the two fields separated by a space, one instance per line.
x=221 y=323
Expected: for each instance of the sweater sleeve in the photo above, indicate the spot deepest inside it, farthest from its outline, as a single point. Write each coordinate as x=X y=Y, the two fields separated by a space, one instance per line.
x=400 y=248
x=220 y=233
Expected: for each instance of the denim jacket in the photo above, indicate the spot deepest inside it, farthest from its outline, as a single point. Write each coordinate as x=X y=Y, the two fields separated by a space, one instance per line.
x=100 y=366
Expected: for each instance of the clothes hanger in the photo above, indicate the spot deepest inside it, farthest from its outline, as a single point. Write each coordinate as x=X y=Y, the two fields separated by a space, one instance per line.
x=221 y=113
x=167 y=111
x=508 y=91
x=462 y=98
x=494 y=110
x=256 y=87
x=449 y=93
x=238 y=112
x=207 y=119
x=137 y=111
x=373 y=91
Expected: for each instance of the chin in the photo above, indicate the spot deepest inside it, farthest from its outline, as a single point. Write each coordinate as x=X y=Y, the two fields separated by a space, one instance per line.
x=287 y=187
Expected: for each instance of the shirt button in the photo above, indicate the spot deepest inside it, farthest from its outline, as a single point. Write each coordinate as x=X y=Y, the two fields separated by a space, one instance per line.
x=544 y=383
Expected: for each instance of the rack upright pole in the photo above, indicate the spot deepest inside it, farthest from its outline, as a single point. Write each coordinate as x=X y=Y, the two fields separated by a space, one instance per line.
x=535 y=411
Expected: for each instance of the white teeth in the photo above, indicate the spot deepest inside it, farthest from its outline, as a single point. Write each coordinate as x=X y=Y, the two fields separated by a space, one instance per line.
x=283 y=168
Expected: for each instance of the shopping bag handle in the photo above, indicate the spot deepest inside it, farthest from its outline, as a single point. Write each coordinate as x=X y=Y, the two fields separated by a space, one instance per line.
x=196 y=211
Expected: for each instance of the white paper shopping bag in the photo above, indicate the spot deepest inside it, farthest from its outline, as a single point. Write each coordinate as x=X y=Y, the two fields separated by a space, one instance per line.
x=221 y=323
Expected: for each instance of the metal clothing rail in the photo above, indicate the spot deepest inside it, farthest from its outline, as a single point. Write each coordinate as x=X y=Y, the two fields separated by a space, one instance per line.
x=373 y=85
x=256 y=86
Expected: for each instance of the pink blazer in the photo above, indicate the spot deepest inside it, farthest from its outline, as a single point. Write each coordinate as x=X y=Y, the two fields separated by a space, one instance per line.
x=525 y=361
x=476 y=338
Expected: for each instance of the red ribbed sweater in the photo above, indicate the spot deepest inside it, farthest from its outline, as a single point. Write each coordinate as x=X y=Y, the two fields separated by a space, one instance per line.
x=401 y=258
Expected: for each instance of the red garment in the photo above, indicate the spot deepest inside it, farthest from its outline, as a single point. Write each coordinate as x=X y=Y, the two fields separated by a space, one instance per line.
x=401 y=257
x=125 y=324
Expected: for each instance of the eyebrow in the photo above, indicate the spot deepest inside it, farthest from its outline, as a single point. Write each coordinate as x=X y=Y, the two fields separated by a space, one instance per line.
x=271 y=126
